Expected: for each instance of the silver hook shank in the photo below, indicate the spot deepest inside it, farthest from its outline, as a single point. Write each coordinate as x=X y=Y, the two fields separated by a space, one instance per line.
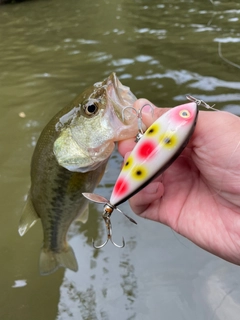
x=140 y=129
x=128 y=107
x=106 y=217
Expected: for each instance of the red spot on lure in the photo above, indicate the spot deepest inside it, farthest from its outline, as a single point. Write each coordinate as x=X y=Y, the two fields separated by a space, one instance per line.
x=146 y=149
x=121 y=186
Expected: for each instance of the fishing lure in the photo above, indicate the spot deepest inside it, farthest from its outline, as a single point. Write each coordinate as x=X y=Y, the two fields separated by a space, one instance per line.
x=156 y=150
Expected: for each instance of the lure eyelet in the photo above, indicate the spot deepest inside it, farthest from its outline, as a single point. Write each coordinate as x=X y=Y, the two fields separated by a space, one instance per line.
x=184 y=114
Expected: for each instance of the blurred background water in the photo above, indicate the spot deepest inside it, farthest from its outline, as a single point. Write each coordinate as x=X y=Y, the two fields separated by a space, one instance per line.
x=50 y=52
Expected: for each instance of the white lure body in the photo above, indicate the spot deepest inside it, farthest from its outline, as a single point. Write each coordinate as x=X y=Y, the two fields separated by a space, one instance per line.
x=159 y=146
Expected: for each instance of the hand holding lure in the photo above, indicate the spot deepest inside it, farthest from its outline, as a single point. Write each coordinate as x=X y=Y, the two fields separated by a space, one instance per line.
x=157 y=149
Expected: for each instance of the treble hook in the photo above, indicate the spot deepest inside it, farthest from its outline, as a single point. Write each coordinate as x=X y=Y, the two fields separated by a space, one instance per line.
x=106 y=216
x=139 y=118
x=108 y=209
x=200 y=102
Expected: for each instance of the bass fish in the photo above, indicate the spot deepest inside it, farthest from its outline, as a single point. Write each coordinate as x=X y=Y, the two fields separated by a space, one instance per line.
x=70 y=158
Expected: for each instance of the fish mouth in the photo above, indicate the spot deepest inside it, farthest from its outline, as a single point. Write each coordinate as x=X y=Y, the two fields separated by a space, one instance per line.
x=120 y=109
x=122 y=99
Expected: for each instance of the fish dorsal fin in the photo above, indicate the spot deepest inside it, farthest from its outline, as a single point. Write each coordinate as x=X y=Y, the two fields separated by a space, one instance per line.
x=51 y=261
x=29 y=217
x=83 y=214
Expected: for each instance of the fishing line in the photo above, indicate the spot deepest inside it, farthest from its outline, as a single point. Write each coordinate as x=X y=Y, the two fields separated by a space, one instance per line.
x=229 y=165
x=225 y=59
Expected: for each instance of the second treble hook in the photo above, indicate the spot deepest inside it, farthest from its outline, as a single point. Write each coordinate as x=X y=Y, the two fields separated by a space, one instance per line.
x=139 y=118
x=108 y=209
x=106 y=217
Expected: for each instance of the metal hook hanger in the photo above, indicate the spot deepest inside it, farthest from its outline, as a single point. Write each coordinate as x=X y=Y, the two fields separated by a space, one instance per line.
x=200 y=102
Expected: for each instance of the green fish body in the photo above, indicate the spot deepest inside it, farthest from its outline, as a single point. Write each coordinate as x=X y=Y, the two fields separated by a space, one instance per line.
x=70 y=158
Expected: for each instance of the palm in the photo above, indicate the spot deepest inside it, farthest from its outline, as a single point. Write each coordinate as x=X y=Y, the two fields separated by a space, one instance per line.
x=201 y=189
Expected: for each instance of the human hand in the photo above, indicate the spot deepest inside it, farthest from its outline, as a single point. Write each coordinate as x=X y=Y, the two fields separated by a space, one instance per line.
x=198 y=196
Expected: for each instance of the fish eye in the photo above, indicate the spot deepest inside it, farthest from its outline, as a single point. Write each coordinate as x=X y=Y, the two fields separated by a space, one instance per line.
x=184 y=114
x=90 y=108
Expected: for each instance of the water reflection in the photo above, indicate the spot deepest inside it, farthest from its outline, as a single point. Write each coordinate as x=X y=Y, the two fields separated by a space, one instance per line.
x=106 y=284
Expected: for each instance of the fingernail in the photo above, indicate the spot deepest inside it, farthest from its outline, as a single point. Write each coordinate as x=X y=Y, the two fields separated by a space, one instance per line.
x=147 y=108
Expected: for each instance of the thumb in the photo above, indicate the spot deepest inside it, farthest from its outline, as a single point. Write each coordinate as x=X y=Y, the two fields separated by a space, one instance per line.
x=149 y=111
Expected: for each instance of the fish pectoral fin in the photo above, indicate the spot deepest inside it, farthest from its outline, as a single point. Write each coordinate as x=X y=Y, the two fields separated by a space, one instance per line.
x=51 y=261
x=28 y=219
x=83 y=214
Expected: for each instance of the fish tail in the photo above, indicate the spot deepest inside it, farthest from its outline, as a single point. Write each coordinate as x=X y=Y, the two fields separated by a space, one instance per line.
x=50 y=261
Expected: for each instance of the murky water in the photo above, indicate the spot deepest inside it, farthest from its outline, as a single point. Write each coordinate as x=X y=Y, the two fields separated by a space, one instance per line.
x=50 y=52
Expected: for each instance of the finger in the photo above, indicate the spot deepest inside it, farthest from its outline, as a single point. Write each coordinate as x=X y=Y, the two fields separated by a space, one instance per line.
x=150 y=112
x=144 y=198
x=126 y=146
